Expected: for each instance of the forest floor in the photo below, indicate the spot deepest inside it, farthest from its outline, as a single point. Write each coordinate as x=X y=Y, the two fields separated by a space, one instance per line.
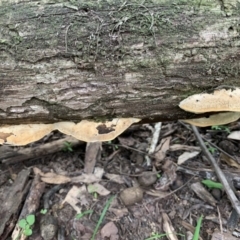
x=128 y=188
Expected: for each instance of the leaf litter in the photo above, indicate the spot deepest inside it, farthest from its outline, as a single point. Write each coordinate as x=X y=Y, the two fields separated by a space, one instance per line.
x=169 y=205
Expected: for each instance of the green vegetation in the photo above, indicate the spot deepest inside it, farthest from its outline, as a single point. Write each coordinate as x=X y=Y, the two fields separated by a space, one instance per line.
x=92 y=189
x=67 y=147
x=157 y=235
x=102 y=217
x=212 y=184
x=26 y=224
x=197 y=229
x=221 y=128
x=210 y=148
x=43 y=211
x=80 y=215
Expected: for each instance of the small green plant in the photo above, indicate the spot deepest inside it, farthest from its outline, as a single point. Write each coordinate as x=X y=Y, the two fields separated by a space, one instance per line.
x=197 y=228
x=43 y=211
x=80 y=215
x=221 y=128
x=115 y=146
x=67 y=147
x=26 y=224
x=102 y=216
x=210 y=148
x=92 y=189
x=158 y=175
x=157 y=235
x=212 y=184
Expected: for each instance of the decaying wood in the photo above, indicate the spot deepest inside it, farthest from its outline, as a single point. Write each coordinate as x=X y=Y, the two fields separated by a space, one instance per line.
x=92 y=154
x=98 y=59
x=31 y=204
x=10 y=206
x=14 y=156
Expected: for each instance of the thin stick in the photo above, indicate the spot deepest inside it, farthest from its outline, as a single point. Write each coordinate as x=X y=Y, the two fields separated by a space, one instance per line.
x=233 y=199
x=220 y=222
x=157 y=129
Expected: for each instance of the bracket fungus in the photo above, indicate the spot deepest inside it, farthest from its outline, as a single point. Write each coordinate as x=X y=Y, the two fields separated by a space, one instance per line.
x=215 y=119
x=225 y=101
x=90 y=131
x=24 y=133
x=86 y=130
x=219 y=101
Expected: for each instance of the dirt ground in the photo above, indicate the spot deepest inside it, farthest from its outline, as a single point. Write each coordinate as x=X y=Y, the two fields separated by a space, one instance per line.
x=128 y=188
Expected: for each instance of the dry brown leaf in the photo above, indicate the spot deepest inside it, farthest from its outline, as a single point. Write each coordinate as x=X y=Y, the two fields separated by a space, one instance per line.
x=156 y=193
x=86 y=178
x=162 y=149
x=37 y=171
x=55 y=179
x=109 y=231
x=51 y=177
x=217 y=235
x=115 y=178
x=177 y=147
x=98 y=188
x=202 y=193
x=119 y=213
x=186 y=156
x=76 y=196
x=168 y=227
x=231 y=162
x=219 y=100
x=234 y=135
x=168 y=177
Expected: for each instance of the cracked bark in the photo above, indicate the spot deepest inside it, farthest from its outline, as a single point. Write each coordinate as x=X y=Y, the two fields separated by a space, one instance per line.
x=62 y=60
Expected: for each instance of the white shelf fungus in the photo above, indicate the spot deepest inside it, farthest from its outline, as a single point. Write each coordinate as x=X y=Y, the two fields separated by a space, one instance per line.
x=88 y=131
x=226 y=101
x=216 y=119
x=218 y=101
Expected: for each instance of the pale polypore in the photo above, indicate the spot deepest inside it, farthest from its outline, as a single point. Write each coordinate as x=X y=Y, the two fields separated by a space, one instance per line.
x=222 y=100
x=86 y=130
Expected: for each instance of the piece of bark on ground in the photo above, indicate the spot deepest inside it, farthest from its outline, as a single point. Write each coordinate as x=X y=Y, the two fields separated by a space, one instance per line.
x=31 y=204
x=35 y=152
x=11 y=204
x=92 y=154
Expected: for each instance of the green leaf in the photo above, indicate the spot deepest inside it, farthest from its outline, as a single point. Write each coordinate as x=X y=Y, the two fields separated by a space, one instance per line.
x=30 y=219
x=27 y=227
x=92 y=188
x=197 y=229
x=102 y=216
x=80 y=215
x=212 y=184
x=27 y=232
x=220 y=127
x=43 y=211
x=22 y=223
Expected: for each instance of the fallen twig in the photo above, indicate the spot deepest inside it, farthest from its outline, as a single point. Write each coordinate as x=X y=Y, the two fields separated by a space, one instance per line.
x=219 y=172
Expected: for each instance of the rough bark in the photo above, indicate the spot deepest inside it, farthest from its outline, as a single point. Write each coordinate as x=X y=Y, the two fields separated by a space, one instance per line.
x=70 y=60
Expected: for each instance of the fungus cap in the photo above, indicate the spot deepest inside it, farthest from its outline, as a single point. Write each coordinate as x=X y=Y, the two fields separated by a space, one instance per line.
x=218 y=101
x=90 y=131
x=216 y=119
x=86 y=130
x=24 y=133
